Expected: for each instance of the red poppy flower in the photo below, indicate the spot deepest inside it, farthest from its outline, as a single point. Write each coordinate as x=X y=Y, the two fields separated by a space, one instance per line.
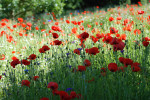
x=73 y=94
x=77 y=51
x=111 y=19
x=119 y=46
x=79 y=23
x=43 y=30
x=113 y=30
x=107 y=39
x=9 y=38
x=92 y=51
x=117 y=35
x=20 y=34
x=146 y=39
x=55 y=92
x=81 y=68
x=20 y=20
x=52 y=85
x=54 y=28
x=99 y=36
x=59 y=29
x=57 y=42
x=149 y=15
x=32 y=57
x=123 y=36
x=140 y=12
x=87 y=63
x=83 y=36
x=137 y=31
x=97 y=7
x=13 y=58
x=113 y=67
x=94 y=39
x=25 y=83
x=121 y=59
x=15 y=62
x=64 y=95
x=25 y=62
x=44 y=98
x=56 y=23
x=81 y=28
x=145 y=43
x=3 y=24
x=2 y=57
x=14 y=26
x=139 y=3
x=67 y=21
x=29 y=24
x=23 y=25
x=115 y=41
x=2 y=33
x=89 y=26
x=41 y=50
x=55 y=35
x=28 y=28
x=74 y=30
x=36 y=28
x=127 y=62
x=45 y=48
x=126 y=21
x=119 y=18
x=0 y=77
x=74 y=22
x=50 y=31
x=35 y=78
x=135 y=67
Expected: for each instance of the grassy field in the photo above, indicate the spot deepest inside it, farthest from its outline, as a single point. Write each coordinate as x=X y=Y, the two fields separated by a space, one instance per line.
x=100 y=55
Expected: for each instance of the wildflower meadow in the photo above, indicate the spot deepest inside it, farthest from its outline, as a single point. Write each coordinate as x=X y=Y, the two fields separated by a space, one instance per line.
x=102 y=54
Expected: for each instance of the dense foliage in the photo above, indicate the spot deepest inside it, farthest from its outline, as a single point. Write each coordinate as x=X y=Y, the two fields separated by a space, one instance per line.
x=100 y=55
x=21 y=8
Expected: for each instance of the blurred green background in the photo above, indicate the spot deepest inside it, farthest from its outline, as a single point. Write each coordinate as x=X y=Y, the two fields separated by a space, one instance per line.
x=23 y=8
